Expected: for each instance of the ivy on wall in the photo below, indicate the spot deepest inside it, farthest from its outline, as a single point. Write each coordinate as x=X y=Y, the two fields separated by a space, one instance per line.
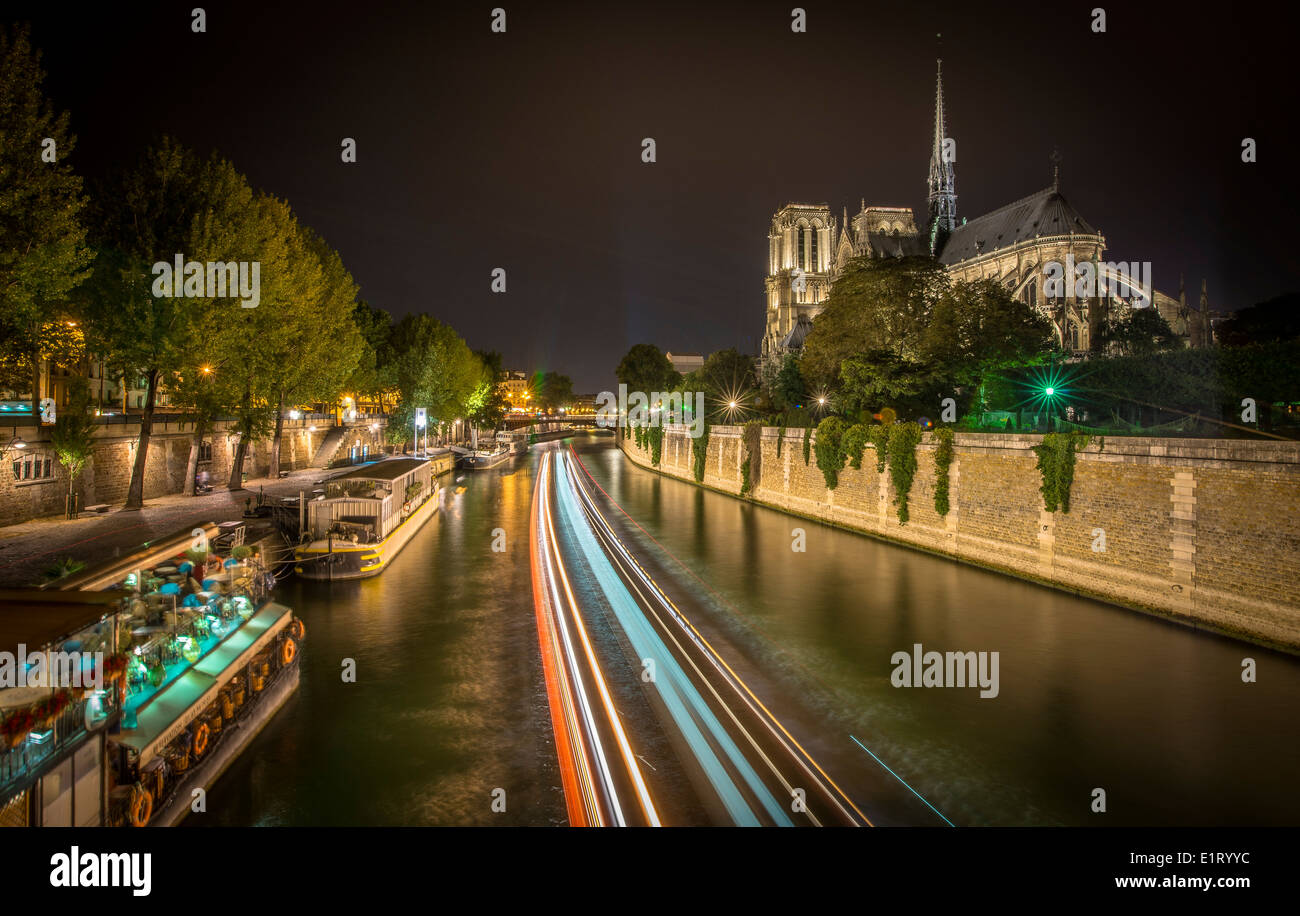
x=751 y=469
x=807 y=443
x=1056 y=462
x=780 y=437
x=855 y=444
x=655 y=437
x=830 y=450
x=700 y=451
x=879 y=437
x=942 y=462
x=903 y=440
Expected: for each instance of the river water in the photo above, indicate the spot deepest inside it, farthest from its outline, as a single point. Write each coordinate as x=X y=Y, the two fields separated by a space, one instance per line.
x=449 y=703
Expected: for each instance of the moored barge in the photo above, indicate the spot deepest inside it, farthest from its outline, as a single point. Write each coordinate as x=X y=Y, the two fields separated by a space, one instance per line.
x=367 y=515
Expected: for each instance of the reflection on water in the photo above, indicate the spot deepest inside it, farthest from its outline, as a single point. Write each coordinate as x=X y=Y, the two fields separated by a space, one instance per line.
x=450 y=703
x=1091 y=695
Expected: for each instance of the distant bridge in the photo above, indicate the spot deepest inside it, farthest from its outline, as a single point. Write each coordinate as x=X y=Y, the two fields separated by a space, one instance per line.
x=549 y=424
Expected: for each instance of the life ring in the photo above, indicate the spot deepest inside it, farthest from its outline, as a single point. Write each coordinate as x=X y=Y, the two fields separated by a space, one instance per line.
x=200 y=739
x=141 y=806
x=287 y=651
x=298 y=629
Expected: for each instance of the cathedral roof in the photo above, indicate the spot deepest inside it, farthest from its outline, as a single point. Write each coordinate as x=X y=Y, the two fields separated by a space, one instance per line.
x=794 y=340
x=887 y=244
x=1043 y=213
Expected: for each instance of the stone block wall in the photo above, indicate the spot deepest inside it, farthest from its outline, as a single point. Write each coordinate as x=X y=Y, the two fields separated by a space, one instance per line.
x=1206 y=531
x=107 y=475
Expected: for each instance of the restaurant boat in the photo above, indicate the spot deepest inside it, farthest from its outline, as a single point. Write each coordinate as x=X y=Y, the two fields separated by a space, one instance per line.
x=367 y=515
x=178 y=658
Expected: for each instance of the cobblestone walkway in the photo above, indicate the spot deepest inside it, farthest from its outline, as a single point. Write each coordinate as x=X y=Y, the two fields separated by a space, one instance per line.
x=27 y=550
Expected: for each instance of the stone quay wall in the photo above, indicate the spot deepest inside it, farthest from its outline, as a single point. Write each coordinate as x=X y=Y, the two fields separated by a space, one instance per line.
x=1203 y=531
x=107 y=475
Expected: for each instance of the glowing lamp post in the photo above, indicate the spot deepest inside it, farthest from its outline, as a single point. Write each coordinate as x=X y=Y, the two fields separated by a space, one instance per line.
x=422 y=423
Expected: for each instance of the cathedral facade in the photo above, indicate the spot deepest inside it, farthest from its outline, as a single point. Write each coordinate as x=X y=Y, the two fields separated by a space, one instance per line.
x=1024 y=245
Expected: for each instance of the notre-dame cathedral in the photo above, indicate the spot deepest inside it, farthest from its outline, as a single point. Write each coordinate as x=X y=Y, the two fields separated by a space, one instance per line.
x=1018 y=245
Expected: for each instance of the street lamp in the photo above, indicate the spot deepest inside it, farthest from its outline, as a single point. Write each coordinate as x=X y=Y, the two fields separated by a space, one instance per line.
x=16 y=442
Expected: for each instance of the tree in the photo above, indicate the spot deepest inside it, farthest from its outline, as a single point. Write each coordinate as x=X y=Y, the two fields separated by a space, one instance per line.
x=173 y=202
x=726 y=376
x=373 y=376
x=73 y=437
x=487 y=404
x=198 y=393
x=1140 y=332
x=978 y=326
x=552 y=390
x=1278 y=319
x=882 y=378
x=900 y=334
x=645 y=368
x=877 y=304
x=789 y=390
x=43 y=251
x=433 y=368
x=272 y=352
x=327 y=345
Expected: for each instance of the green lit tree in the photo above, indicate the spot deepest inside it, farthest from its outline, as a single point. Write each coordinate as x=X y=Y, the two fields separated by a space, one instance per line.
x=73 y=437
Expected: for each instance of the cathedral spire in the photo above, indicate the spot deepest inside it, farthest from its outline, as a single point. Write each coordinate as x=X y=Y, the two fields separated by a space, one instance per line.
x=942 y=183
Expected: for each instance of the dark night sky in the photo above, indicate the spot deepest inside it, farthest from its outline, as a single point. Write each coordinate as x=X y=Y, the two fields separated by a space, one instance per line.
x=522 y=150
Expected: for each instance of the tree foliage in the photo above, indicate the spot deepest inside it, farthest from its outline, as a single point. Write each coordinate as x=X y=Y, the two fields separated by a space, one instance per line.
x=73 y=436
x=43 y=251
x=726 y=375
x=1274 y=321
x=788 y=388
x=877 y=304
x=433 y=368
x=645 y=368
x=898 y=332
x=552 y=390
x=1139 y=332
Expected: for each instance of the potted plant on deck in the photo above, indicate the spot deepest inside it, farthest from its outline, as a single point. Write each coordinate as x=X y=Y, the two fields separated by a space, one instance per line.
x=17 y=725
